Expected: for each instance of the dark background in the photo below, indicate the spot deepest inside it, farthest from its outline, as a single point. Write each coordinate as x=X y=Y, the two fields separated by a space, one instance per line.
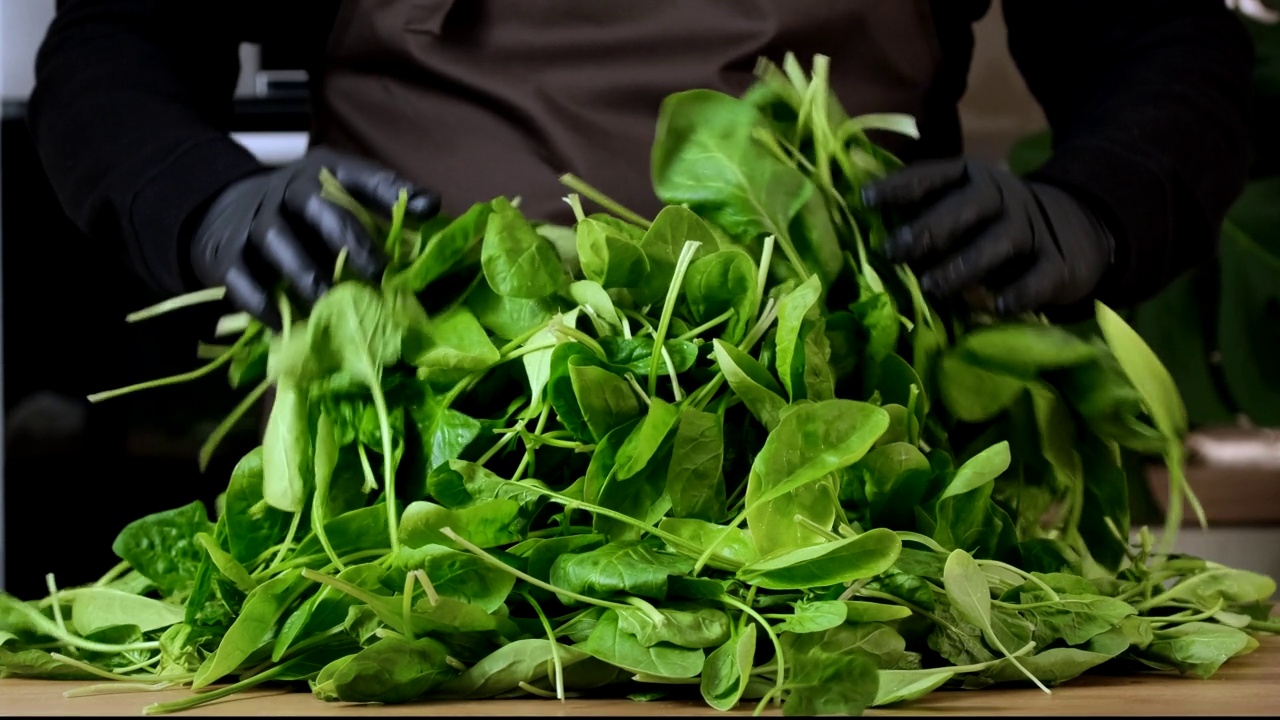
x=76 y=473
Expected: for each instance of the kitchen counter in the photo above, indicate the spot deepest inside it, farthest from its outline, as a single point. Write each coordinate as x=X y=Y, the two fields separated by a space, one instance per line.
x=1245 y=686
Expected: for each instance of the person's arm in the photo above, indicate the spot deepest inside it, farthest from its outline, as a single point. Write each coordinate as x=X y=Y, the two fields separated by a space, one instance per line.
x=1149 y=107
x=129 y=114
x=1149 y=103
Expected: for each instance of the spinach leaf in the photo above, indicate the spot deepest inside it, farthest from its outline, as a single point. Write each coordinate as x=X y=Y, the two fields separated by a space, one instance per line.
x=517 y=261
x=163 y=546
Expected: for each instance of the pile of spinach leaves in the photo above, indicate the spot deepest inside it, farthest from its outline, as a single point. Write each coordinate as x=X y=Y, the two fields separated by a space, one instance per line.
x=726 y=452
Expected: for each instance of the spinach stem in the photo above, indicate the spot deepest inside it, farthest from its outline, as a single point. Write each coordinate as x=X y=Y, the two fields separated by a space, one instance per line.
x=57 y=604
x=722 y=317
x=288 y=541
x=555 y=646
x=406 y=606
x=211 y=443
x=773 y=637
x=668 y=308
x=388 y=466
x=48 y=627
x=109 y=675
x=576 y=183
x=576 y=334
x=370 y=482
x=495 y=562
x=191 y=299
x=206 y=697
x=675 y=541
x=762 y=277
x=188 y=376
x=117 y=687
x=120 y=568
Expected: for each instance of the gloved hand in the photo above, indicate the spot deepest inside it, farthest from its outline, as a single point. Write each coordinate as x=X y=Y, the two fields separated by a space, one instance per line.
x=276 y=225
x=963 y=225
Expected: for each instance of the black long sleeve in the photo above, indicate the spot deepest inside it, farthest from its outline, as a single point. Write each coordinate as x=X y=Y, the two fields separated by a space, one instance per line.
x=1149 y=102
x=131 y=110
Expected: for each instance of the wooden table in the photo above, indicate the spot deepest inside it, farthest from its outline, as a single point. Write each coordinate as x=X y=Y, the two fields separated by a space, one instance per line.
x=1244 y=686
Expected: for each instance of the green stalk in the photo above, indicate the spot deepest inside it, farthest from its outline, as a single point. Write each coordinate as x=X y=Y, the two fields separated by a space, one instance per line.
x=45 y=626
x=668 y=308
x=188 y=376
x=495 y=562
x=576 y=183
x=107 y=674
x=207 y=697
x=388 y=471
x=722 y=317
x=555 y=646
x=773 y=637
x=191 y=299
x=224 y=427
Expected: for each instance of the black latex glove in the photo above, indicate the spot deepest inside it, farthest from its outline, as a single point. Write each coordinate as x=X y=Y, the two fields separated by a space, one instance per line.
x=1008 y=244
x=275 y=225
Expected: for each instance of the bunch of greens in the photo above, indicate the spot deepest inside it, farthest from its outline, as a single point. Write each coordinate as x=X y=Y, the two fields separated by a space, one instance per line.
x=727 y=452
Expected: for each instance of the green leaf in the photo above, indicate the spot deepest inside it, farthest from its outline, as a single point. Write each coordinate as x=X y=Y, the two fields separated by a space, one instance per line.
x=606 y=400
x=487 y=523
x=897 y=686
x=831 y=684
x=981 y=469
x=815 y=566
x=792 y=474
x=810 y=617
x=622 y=567
x=610 y=257
x=254 y=627
x=719 y=282
x=750 y=381
x=460 y=575
x=683 y=626
x=610 y=643
x=392 y=670
x=444 y=249
x=95 y=608
x=517 y=261
x=1198 y=647
x=728 y=670
x=503 y=670
x=163 y=546
x=794 y=308
x=695 y=484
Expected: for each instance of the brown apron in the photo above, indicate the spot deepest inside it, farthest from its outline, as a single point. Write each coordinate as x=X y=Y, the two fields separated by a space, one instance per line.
x=482 y=98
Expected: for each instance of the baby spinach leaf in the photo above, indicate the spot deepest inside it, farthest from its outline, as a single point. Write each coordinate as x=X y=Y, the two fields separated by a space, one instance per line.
x=253 y=628
x=607 y=401
x=683 y=626
x=610 y=643
x=458 y=345
x=252 y=525
x=706 y=158
x=609 y=256
x=487 y=523
x=824 y=683
x=732 y=552
x=869 y=612
x=694 y=481
x=898 y=686
x=503 y=670
x=392 y=670
x=163 y=546
x=1197 y=647
x=507 y=316
x=797 y=306
x=728 y=669
x=790 y=475
x=95 y=608
x=815 y=566
x=460 y=575
x=444 y=249
x=645 y=439
x=663 y=242
x=517 y=261
x=974 y=394
x=1025 y=349
x=720 y=282
x=981 y=469
x=632 y=567
x=751 y=382
x=810 y=617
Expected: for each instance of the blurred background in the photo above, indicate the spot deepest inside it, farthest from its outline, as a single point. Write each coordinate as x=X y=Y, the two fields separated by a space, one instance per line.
x=74 y=473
